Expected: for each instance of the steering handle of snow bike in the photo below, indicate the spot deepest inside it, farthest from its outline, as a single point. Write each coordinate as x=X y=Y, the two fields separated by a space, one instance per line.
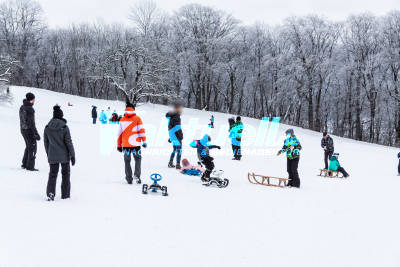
x=156 y=177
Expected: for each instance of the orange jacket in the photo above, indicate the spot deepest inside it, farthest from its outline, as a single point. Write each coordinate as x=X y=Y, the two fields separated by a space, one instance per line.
x=131 y=131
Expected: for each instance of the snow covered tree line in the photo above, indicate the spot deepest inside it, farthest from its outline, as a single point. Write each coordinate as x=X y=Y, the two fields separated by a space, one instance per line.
x=341 y=77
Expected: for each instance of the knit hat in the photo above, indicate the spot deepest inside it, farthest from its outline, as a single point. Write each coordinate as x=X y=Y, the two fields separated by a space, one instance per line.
x=57 y=112
x=30 y=96
x=289 y=131
x=335 y=155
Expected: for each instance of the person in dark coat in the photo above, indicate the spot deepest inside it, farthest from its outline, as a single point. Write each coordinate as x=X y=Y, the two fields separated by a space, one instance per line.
x=327 y=145
x=60 y=151
x=291 y=147
x=94 y=114
x=29 y=132
x=175 y=135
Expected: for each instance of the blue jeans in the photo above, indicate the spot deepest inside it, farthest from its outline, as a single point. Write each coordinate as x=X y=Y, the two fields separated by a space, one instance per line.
x=177 y=150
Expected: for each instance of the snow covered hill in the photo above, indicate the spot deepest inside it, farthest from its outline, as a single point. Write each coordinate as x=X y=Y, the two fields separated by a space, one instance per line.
x=353 y=222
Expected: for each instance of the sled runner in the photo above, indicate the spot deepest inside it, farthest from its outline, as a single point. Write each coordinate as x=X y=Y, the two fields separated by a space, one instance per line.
x=217 y=180
x=330 y=174
x=155 y=187
x=267 y=180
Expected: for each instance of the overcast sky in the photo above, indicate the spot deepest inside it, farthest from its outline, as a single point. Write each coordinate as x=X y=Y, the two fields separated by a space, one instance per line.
x=64 y=12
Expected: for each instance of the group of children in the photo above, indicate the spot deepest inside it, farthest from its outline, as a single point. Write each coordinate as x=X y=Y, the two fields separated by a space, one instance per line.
x=106 y=117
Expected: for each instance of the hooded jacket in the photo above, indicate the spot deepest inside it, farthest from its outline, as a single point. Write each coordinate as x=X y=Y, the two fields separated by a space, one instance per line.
x=291 y=147
x=94 y=112
x=203 y=147
x=131 y=131
x=334 y=164
x=174 y=128
x=27 y=117
x=58 y=142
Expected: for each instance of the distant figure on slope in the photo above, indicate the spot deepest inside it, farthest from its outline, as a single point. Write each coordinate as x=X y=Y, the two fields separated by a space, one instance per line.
x=114 y=117
x=292 y=147
x=398 y=167
x=59 y=150
x=203 y=147
x=212 y=121
x=235 y=134
x=131 y=137
x=103 y=117
x=70 y=105
x=334 y=165
x=108 y=113
x=94 y=114
x=175 y=135
x=327 y=145
x=29 y=132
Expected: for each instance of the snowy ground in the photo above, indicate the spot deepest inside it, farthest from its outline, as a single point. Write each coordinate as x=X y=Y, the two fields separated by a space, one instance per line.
x=352 y=222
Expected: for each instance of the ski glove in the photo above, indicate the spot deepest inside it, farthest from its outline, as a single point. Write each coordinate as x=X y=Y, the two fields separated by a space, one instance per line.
x=144 y=145
x=119 y=149
x=218 y=147
x=73 y=161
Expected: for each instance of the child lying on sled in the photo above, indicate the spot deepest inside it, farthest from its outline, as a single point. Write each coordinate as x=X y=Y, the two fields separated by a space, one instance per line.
x=193 y=170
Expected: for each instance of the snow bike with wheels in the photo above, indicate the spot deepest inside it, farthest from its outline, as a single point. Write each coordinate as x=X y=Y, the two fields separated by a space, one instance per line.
x=155 y=187
x=216 y=179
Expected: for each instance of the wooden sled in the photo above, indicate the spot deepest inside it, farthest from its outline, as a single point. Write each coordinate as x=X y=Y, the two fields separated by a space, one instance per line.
x=267 y=180
x=330 y=174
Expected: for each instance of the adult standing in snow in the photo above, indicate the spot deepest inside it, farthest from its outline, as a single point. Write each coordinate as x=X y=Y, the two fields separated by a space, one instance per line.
x=175 y=135
x=94 y=114
x=212 y=121
x=29 y=132
x=60 y=151
x=292 y=148
x=235 y=134
x=131 y=137
x=327 y=145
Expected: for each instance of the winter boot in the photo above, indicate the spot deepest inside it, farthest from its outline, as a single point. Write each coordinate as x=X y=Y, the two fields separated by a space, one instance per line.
x=50 y=197
x=129 y=180
x=178 y=166
x=137 y=179
x=171 y=165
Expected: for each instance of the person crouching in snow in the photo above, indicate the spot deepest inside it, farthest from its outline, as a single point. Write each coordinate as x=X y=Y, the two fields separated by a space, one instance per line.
x=131 y=137
x=59 y=150
x=203 y=147
x=334 y=165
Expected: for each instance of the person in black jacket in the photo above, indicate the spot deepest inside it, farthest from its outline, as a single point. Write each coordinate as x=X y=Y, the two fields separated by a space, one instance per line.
x=94 y=114
x=175 y=135
x=29 y=132
x=59 y=150
x=327 y=145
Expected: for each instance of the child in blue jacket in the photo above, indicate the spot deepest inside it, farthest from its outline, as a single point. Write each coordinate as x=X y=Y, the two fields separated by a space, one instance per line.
x=203 y=147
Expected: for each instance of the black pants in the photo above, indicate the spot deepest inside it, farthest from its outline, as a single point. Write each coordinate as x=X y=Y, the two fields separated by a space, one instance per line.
x=292 y=165
x=343 y=171
x=65 y=184
x=398 y=167
x=209 y=164
x=327 y=156
x=94 y=120
x=237 y=152
x=28 y=161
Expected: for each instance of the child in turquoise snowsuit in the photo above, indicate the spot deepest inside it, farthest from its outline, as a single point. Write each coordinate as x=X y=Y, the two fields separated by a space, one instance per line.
x=334 y=165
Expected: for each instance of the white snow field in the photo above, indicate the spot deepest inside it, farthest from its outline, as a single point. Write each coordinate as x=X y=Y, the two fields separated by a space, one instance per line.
x=328 y=222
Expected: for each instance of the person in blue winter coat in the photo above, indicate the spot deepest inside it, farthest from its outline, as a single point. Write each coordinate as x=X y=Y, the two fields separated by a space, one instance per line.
x=203 y=147
x=398 y=167
x=103 y=117
x=212 y=121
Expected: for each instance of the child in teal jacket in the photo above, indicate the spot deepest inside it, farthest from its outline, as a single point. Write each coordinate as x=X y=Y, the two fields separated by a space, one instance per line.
x=334 y=165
